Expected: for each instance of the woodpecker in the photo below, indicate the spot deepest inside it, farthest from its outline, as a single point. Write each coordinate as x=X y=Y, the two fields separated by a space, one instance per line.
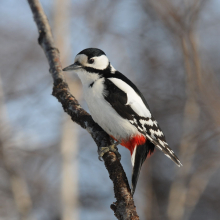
x=120 y=109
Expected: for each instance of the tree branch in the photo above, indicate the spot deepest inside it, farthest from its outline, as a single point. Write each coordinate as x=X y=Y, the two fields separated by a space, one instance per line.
x=124 y=207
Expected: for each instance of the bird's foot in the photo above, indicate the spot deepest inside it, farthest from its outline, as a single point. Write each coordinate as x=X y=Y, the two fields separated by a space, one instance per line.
x=113 y=148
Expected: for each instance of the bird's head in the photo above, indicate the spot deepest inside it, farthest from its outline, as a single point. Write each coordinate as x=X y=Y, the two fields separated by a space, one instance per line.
x=89 y=58
x=89 y=64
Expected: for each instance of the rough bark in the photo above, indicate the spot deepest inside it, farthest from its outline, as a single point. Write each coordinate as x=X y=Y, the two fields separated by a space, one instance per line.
x=124 y=207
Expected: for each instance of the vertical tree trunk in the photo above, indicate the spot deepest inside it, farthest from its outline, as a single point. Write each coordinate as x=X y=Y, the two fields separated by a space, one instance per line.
x=69 y=140
x=11 y=164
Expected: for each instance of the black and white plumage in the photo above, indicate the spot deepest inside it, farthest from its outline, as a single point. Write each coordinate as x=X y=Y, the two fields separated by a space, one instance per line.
x=117 y=105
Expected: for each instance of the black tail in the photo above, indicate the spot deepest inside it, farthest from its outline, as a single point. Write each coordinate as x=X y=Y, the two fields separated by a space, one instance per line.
x=140 y=155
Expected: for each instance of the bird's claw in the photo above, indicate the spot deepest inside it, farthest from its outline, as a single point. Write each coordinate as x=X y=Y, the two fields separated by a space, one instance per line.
x=102 y=151
x=113 y=148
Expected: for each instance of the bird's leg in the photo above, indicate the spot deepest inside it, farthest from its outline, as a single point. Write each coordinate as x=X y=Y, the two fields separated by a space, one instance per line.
x=113 y=148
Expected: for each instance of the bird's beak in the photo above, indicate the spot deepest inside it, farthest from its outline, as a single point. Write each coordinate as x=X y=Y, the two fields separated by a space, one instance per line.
x=74 y=66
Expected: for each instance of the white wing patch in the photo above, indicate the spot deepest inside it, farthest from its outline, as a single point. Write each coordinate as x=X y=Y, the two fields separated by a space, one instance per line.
x=134 y=100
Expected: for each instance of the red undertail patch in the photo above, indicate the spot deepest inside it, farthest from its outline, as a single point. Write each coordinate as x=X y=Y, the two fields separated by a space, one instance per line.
x=133 y=142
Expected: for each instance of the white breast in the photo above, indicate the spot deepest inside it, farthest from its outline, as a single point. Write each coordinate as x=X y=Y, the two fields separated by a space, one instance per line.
x=103 y=113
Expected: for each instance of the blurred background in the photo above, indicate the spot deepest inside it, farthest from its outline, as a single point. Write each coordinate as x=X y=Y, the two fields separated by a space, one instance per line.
x=49 y=167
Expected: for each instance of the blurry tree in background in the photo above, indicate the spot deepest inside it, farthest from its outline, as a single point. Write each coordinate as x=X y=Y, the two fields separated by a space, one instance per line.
x=170 y=50
x=69 y=139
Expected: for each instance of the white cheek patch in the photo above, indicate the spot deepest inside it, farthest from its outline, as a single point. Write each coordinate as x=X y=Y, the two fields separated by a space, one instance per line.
x=81 y=58
x=100 y=63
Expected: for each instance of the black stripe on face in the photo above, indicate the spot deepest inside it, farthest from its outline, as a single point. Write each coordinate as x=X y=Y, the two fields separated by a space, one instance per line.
x=102 y=73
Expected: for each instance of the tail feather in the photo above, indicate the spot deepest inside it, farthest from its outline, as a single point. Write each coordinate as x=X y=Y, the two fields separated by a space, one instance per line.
x=138 y=157
x=163 y=146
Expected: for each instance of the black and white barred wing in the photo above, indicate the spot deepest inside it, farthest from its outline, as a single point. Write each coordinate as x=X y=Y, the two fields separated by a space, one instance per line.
x=156 y=136
x=132 y=106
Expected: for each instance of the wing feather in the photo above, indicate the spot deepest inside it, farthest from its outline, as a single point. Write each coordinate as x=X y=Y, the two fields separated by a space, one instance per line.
x=133 y=99
x=129 y=105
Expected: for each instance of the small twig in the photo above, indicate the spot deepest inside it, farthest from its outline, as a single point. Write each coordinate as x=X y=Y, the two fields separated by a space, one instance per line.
x=124 y=207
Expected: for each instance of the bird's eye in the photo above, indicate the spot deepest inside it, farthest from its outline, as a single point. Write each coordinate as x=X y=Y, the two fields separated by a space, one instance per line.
x=91 y=61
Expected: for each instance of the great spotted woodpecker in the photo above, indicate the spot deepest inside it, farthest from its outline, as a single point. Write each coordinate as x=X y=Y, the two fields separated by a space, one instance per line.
x=117 y=105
